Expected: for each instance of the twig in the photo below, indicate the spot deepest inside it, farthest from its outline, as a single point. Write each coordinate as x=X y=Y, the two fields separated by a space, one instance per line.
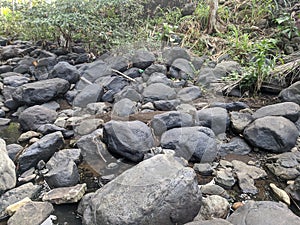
x=86 y=80
x=124 y=75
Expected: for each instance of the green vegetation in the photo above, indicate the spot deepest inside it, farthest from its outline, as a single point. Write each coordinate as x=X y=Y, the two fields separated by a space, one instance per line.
x=248 y=31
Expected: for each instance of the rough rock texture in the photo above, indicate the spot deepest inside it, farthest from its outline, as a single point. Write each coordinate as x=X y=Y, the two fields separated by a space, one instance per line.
x=291 y=94
x=124 y=108
x=159 y=190
x=40 y=150
x=128 y=139
x=189 y=94
x=142 y=58
x=65 y=71
x=263 y=213
x=236 y=145
x=239 y=121
x=158 y=91
x=195 y=143
x=41 y=91
x=7 y=169
x=32 y=213
x=90 y=94
x=33 y=117
x=272 y=133
x=210 y=222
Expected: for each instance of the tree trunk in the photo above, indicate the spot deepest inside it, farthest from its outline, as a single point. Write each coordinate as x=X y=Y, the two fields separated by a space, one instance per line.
x=212 y=19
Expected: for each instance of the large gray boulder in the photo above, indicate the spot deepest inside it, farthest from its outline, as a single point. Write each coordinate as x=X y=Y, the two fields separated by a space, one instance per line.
x=289 y=110
x=65 y=71
x=158 y=91
x=90 y=94
x=142 y=58
x=43 y=149
x=263 y=213
x=124 y=108
x=192 y=143
x=41 y=91
x=189 y=94
x=291 y=94
x=34 y=117
x=128 y=139
x=272 y=133
x=7 y=169
x=159 y=190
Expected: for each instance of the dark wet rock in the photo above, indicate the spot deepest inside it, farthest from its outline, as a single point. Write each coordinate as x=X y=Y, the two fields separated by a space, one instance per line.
x=204 y=169
x=166 y=105
x=129 y=93
x=40 y=150
x=120 y=63
x=43 y=68
x=133 y=72
x=263 y=213
x=50 y=128
x=90 y=94
x=65 y=71
x=192 y=143
x=65 y=195
x=184 y=69
x=142 y=58
x=239 y=121
x=289 y=110
x=213 y=189
x=165 y=121
x=225 y=178
x=41 y=91
x=33 y=117
x=17 y=194
x=128 y=139
x=32 y=213
x=215 y=118
x=63 y=174
x=124 y=108
x=272 y=133
x=171 y=54
x=92 y=72
x=15 y=81
x=10 y=51
x=285 y=165
x=213 y=206
x=210 y=222
x=157 y=91
x=247 y=175
x=155 y=68
x=126 y=199
x=189 y=94
x=5 y=69
x=236 y=146
x=230 y=106
x=291 y=94
x=7 y=169
x=13 y=150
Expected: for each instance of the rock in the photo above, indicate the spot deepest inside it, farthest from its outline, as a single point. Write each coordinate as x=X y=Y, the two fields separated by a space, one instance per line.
x=142 y=58
x=224 y=178
x=192 y=143
x=84 y=203
x=124 y=108
x=272 y=133
x=120 y=63
x=32 y=213
x=159 y=78
x=289 y=110
x=263 y=213
x=4 y=121
x=213 y=189
x=52 y=105
x=139 y=195
x=41 y=91
x=213 y=206
x=63 y=174
x=239 y=121
x=8 y=178
x=65 y=71
x=33 y=117
x=285 y=165
x=10 y=210
x=13 y=150
x=129 y=93
x=10 y=51
x=230 y=106
x=28 y=135
x=280 y=194
x=157 y=91
x=212 y=221
x=189 y=94
x=17 y=194
x=184 y=68
x=15 y=81
x=204 y=169
x=170 y=54
x=165 y=121
x=5 y=68
x=294 y=190
x=236 y=146
x=40 y=150
x=290 y=94
x=215 y=118
x=72 y=154
x=128 y=139
x=65 y=195
x=90 y=94
x=50 y=128
x=87 y=125
x=98 y=108
x=246 y=175
x=166 y=105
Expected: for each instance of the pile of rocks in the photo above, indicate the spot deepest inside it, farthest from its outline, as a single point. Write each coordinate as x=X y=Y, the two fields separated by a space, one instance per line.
x=149 y=110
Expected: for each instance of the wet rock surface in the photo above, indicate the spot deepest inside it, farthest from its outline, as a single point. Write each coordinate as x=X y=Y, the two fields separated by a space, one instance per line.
x=84 y=125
